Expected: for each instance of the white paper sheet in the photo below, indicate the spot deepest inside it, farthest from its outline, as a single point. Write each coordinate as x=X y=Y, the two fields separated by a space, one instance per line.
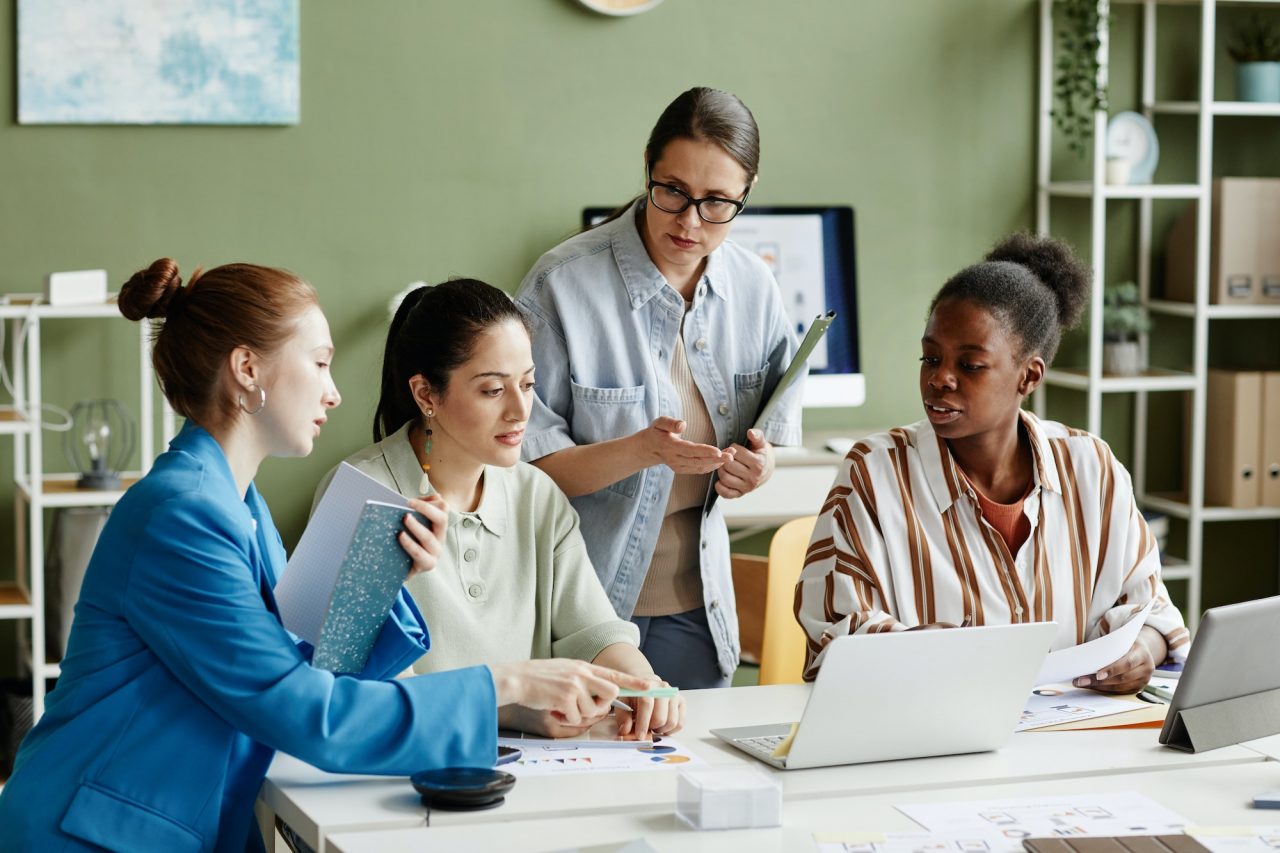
x=1085 y=659
x=1219 y=839
x=1111 y=813
x=1051 y=705
x=911 y=842
x=556 y=761
x=306 y=585
x=1238 y=839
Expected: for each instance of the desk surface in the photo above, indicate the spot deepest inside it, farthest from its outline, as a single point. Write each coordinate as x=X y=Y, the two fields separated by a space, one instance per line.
x=318 y=804
x=1202 y=795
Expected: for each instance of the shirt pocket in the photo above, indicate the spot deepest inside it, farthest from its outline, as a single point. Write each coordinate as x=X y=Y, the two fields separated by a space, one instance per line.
x=602 y=414
x=748 y=389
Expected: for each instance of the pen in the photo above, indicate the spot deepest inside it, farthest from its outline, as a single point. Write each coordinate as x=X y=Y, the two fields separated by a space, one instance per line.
x=651 y=693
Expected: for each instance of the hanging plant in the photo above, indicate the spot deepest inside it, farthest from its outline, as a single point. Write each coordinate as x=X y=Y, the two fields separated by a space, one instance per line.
x=1080 y=87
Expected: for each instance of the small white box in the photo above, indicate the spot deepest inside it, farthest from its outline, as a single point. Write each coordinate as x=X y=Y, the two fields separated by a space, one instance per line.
x=728 y=798
x=79 y=287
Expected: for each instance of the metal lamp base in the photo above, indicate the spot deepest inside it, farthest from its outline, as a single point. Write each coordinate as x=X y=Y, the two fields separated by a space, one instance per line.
x=99 y=480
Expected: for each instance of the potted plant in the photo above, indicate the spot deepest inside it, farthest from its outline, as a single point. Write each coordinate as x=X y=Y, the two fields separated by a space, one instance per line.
x=1123 y=320
x=1256 y=50
x=1080 y=84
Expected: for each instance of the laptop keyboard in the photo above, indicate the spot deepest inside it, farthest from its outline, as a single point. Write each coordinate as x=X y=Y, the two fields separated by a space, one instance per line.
x=761 y=747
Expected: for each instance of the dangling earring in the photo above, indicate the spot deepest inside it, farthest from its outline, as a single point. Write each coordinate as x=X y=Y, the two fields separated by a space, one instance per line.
x=424 y=485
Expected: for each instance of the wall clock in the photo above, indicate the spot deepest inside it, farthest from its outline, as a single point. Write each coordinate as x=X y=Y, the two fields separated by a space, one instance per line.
x=620 y=7
x=1131 y=137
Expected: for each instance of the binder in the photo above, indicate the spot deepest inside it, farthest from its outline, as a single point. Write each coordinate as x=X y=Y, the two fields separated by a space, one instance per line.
x=1233 y=439
x=1270 y=468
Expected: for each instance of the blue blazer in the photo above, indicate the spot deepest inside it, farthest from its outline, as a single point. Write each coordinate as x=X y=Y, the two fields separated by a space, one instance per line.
x=180 y=683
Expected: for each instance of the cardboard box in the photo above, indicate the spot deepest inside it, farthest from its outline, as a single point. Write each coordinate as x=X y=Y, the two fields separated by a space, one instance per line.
x=1244 y=245
x=1270 y=468
x=1233 y=438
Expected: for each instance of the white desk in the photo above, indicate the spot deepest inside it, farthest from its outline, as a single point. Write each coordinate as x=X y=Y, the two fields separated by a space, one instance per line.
x=1203 y=795
x=318 y=804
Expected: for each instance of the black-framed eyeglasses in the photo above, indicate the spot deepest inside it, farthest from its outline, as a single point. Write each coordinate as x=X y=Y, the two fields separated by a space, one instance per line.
x=713 y=209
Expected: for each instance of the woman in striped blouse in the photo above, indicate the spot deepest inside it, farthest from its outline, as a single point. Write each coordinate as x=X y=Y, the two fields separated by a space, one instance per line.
x=982 y=514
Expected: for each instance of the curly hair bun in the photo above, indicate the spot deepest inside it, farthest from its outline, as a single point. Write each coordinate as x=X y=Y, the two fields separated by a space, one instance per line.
x=1055 y=264
x=150 y=292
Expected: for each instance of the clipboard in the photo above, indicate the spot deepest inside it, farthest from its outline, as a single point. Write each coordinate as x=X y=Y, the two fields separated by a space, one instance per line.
x=797 y=366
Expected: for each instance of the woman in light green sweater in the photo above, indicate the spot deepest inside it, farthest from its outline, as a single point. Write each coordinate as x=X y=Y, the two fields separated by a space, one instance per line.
x=514 y=581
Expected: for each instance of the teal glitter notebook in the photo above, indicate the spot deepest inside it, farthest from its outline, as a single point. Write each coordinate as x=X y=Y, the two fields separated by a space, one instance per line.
x=369 y=580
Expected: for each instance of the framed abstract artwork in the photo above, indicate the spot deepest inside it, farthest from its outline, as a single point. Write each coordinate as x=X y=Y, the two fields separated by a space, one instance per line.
x=158 y=61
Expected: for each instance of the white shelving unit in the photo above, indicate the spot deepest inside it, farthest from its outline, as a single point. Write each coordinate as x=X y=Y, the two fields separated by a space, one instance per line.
x=1091 y=380
x=35 y=489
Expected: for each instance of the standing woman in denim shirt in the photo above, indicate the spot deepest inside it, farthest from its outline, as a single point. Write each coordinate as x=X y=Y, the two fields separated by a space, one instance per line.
x=655 y=341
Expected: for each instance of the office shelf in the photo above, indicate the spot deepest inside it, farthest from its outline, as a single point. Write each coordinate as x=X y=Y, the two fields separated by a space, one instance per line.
x=1088 y=189
x=37 y=490
x=15 y=603
x=1176 y=569
x=60 y=490
x=12 y=421
x=1217 y=108
x=1152 y=379
x=1215 y=312
x=1179 y=507
x=1090 y=381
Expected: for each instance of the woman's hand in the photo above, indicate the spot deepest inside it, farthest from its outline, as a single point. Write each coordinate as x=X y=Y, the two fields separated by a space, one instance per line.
x=749 y=469
x=1132 y=672
x=420 y=542
x=659 y=716
x=573 y=692
x=660 y=444
x=524 y=719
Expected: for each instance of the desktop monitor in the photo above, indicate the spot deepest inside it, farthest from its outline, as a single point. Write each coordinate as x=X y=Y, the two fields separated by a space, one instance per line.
x=810 y=250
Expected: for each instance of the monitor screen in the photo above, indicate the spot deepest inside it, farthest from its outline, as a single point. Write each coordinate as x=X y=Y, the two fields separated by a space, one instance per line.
x=810 y=250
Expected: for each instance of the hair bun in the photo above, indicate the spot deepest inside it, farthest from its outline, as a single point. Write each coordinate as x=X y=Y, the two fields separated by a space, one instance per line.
x=1055 y=264
x=150 y=292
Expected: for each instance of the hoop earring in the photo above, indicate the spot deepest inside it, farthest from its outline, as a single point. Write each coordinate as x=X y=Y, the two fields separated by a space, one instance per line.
x=262 y=399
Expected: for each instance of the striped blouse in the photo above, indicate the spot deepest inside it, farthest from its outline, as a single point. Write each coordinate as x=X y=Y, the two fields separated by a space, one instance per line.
x=901 y=541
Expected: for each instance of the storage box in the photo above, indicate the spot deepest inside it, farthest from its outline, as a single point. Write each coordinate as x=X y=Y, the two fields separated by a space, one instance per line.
x=1244 y=245
x=1233 y=438
x=79 y=287
x=728 y=798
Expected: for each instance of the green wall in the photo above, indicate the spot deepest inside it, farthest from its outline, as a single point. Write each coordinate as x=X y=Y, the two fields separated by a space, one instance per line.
x=463 y=138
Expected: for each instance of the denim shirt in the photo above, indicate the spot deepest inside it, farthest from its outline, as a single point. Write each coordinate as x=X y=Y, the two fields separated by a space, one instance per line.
x=605 y=323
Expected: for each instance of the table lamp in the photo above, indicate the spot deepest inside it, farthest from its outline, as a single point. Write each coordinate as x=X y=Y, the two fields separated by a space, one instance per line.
x=99 y=442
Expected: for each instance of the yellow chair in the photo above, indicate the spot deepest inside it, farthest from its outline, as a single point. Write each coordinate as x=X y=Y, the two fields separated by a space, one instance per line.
x=782 y=648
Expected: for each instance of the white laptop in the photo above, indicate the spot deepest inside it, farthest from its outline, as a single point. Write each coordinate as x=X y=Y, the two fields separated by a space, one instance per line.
x=908 y=694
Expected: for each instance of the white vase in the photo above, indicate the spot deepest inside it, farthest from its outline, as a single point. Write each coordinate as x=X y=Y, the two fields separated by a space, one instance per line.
x=1122 y=359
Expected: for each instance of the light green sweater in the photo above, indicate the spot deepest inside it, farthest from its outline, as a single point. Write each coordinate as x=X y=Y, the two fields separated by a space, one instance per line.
x=514 y=581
